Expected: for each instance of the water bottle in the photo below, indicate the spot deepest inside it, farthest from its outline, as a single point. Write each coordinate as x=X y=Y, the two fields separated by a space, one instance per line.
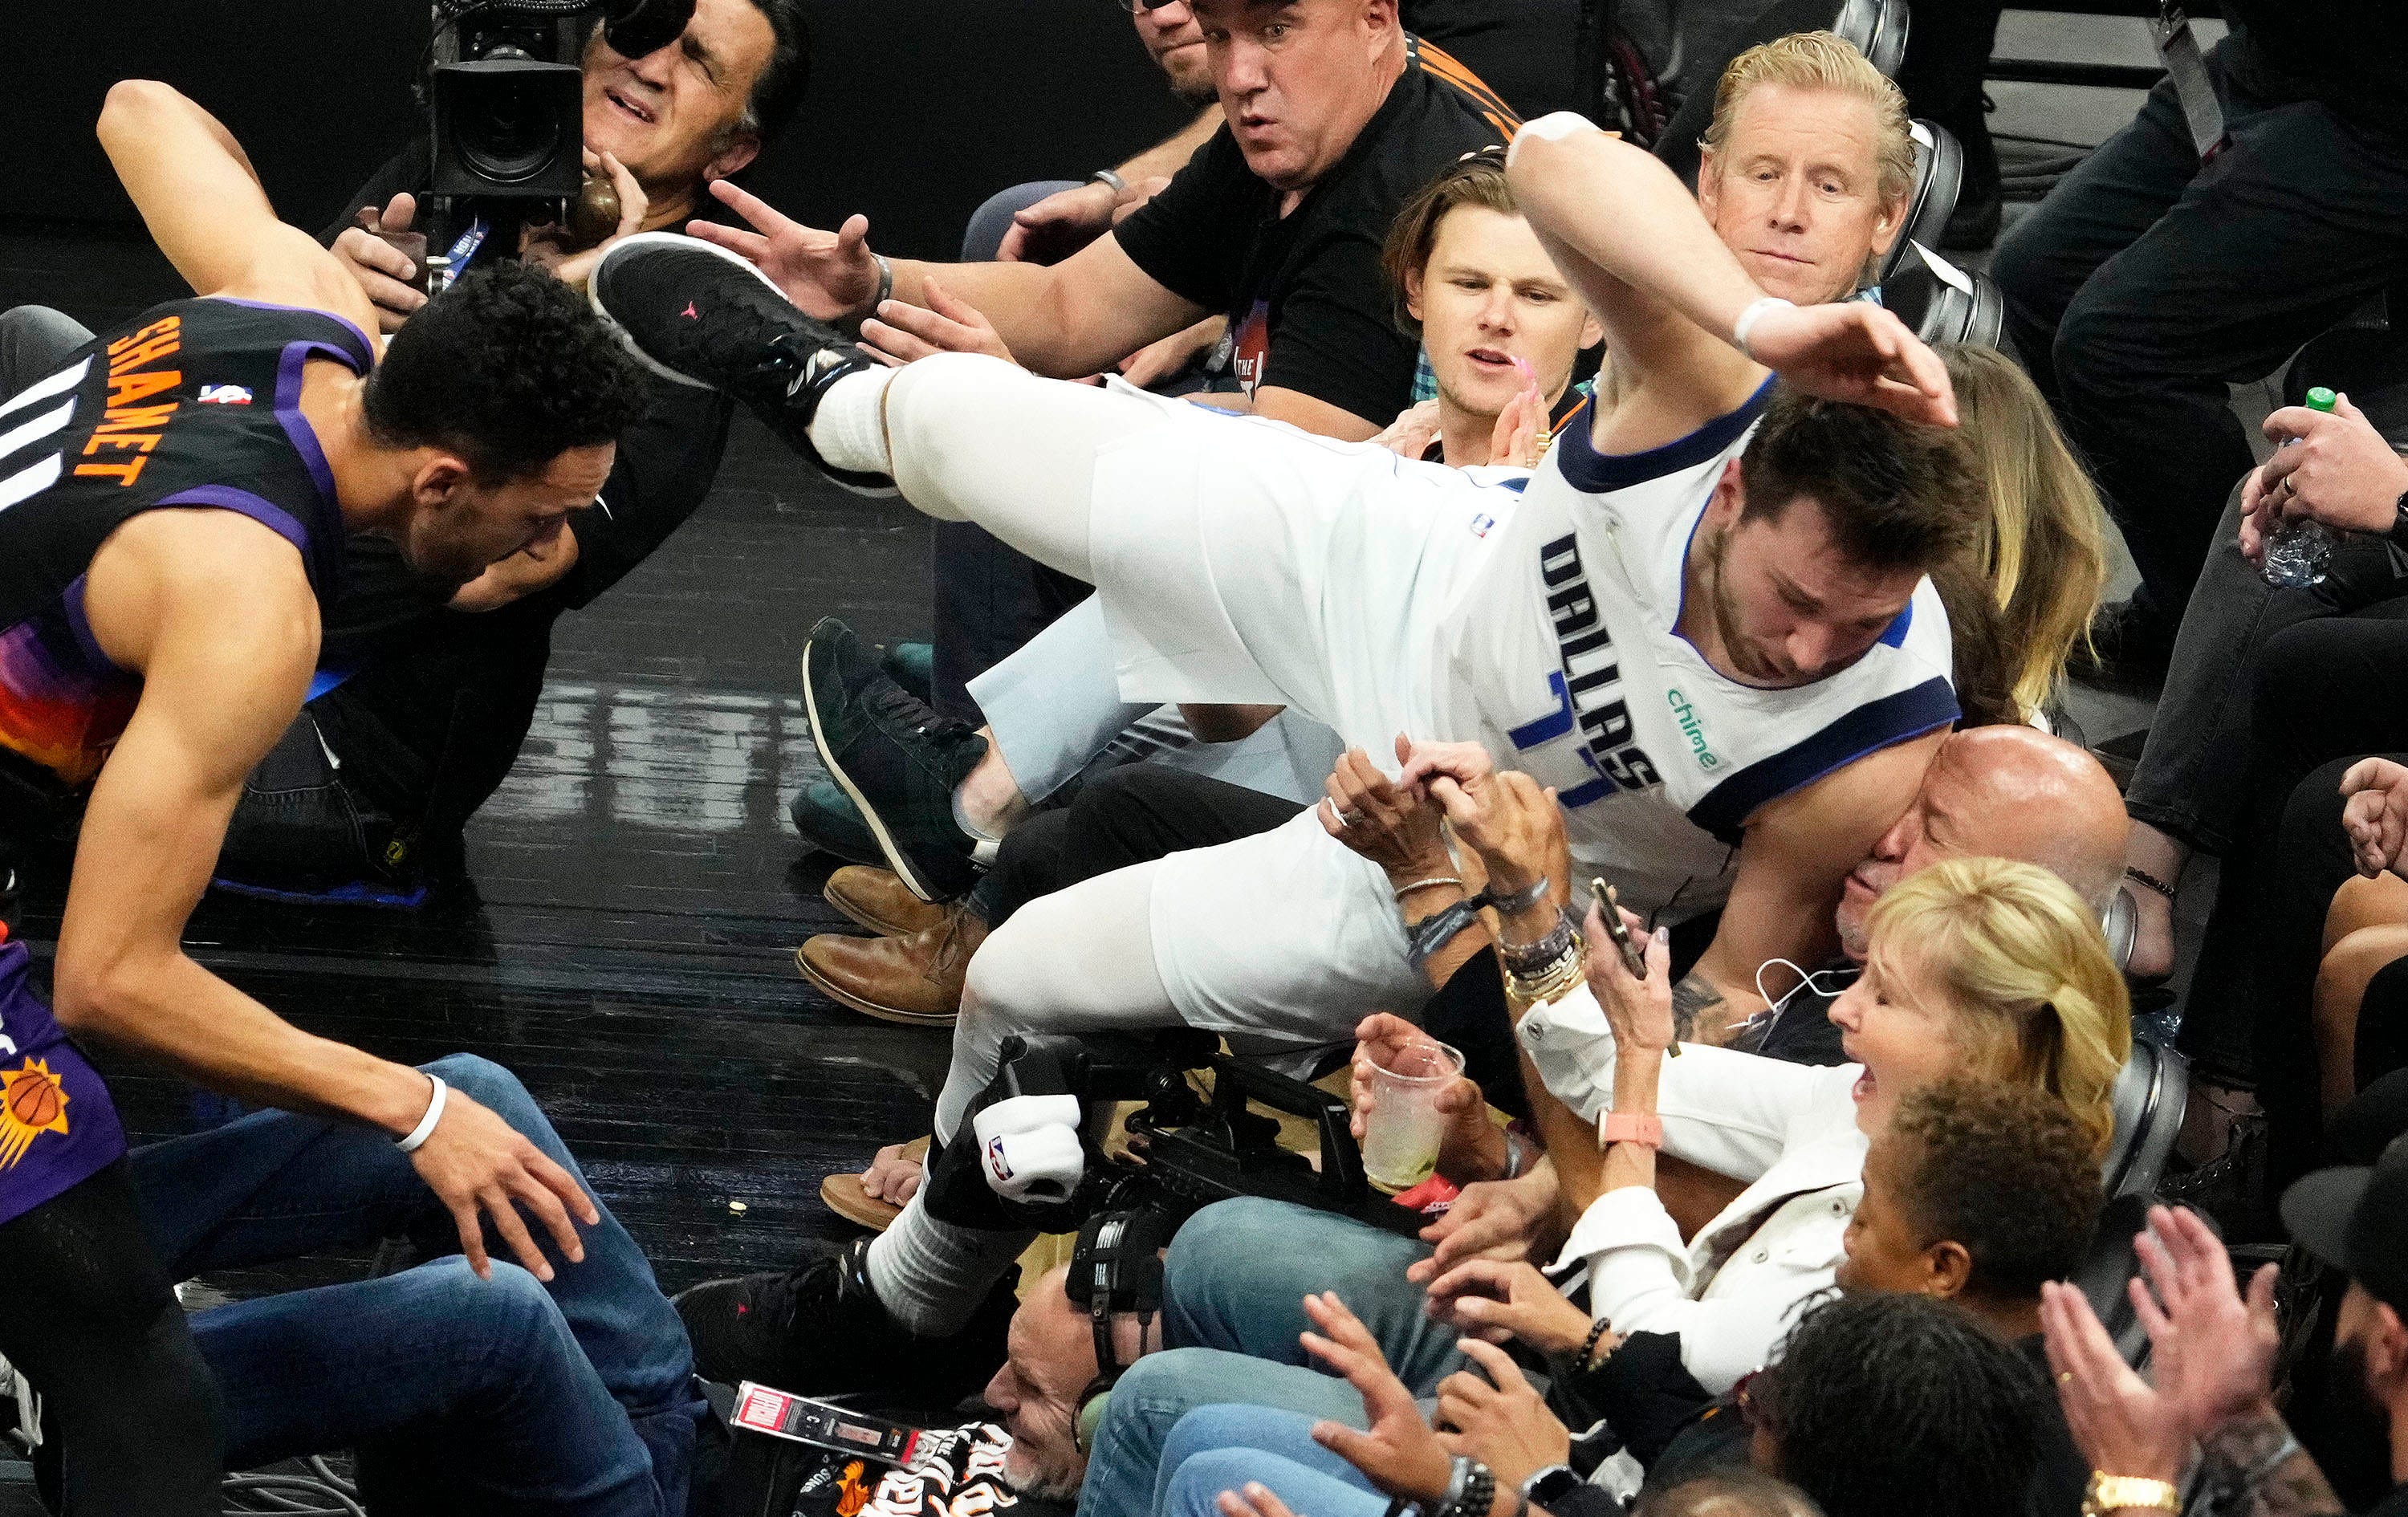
x=2298 y=549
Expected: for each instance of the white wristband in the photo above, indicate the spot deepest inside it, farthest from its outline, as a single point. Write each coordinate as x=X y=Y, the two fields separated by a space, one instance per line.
x=425 y=1128
x=1747 y=319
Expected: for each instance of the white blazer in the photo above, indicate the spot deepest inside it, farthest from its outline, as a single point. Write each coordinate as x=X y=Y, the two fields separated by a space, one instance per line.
x=1789 y=1130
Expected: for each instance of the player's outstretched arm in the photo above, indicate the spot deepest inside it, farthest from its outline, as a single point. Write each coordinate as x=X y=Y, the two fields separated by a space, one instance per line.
x=1792 y=863
x=1628 y=233
x=205 y=208
x=213 y=610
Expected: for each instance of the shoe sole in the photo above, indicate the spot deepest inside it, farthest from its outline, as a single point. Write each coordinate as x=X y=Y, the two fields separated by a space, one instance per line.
x=871 y=1009
x=626 y=338
x=894 y=859
x=845 y=1196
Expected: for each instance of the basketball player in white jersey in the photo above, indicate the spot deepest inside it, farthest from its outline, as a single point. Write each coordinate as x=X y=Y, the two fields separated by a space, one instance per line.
x=1732 y=673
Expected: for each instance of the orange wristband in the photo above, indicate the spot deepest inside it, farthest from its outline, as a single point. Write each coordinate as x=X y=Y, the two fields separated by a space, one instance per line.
x=1622 y=1127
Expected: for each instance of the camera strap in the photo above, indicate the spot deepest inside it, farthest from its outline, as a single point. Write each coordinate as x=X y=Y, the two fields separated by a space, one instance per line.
x=2178 y=46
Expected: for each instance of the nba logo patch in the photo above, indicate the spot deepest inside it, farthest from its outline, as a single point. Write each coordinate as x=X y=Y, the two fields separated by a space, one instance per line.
x=224 y=394
x=1481 y=523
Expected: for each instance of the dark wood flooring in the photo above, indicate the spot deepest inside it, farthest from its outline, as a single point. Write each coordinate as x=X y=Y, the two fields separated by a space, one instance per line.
x=638 y=890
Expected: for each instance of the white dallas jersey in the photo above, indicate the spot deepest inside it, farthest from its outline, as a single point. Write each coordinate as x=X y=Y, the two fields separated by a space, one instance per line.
x=1561 y=658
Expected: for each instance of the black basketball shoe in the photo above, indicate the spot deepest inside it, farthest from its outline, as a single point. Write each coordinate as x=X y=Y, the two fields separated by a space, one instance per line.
x=895 y=757
x=818 y=1329
x=700 y=315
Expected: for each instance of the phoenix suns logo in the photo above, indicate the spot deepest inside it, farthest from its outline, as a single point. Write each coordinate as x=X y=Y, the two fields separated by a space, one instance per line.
x=32 y=1101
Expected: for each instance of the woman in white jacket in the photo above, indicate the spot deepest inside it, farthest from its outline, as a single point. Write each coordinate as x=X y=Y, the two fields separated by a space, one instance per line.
x=1978 y=965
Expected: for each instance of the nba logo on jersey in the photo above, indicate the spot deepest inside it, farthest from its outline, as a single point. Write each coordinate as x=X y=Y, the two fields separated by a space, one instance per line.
x=224 y=394
x=1481 y=524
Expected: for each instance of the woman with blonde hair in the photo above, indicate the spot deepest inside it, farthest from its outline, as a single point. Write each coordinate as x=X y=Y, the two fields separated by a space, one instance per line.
x=2023 y=600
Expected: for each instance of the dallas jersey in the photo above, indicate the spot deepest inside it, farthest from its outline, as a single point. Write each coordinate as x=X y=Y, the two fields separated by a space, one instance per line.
x=196 y=403
x=1566 y=662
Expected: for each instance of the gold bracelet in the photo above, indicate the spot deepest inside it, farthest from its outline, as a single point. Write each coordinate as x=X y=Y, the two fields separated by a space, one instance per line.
x=1556 y=981
x=2128 y=1493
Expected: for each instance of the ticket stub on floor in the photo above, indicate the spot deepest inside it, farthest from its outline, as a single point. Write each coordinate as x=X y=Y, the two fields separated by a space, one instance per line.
x=760 y=1409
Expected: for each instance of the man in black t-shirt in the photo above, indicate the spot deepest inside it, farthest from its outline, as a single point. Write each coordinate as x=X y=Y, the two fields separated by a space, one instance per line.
x=1276 y=222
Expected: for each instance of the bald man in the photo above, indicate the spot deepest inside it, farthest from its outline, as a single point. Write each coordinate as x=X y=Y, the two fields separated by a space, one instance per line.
x=2010 y=793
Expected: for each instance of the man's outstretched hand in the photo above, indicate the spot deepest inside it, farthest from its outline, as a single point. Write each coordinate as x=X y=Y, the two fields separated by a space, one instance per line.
x=829 y=275
x=481 y=1167
x=1855 y=351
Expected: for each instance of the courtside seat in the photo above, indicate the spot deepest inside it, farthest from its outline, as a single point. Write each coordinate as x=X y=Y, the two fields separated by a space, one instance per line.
x=2149 y=1098
x=2112 y=1264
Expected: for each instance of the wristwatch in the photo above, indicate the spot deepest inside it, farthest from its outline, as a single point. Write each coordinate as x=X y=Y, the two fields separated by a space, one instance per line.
x=1646 y=1129
x=1470 y=1490
x=2128 y=1493
x=1548 y=1486
x=2399 y=533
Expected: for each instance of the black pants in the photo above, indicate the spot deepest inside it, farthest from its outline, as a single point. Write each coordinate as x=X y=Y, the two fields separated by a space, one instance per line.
x=1130 y=815
x=2325 y=694
x=88 y=1315
x=2145 y=282
x=1947 y=48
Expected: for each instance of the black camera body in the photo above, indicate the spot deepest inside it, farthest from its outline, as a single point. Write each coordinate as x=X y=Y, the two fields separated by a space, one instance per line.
x=504 y=99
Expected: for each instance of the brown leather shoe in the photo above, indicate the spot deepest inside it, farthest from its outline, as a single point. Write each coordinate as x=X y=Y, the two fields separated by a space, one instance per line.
x=879 y=900
x=916 y=980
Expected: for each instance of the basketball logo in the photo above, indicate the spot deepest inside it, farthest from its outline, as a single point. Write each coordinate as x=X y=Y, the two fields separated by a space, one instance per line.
x=32 y=1101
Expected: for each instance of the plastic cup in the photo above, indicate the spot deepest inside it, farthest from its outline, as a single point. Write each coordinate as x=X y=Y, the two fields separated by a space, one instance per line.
x=1401 y=1132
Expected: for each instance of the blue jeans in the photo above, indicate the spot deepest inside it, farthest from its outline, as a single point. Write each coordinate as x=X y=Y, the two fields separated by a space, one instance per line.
x=461 y=1395
x=1217 y=1448
x=1233 y=1306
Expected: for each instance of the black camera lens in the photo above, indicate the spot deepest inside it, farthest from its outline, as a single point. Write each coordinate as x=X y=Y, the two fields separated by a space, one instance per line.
x=514 y=136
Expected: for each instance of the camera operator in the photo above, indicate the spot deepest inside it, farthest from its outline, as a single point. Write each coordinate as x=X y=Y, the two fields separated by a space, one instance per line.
x=2173 y=260
x=423 y=740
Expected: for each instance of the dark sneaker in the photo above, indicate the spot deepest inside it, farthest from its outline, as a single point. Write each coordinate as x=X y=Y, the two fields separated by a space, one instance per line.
x=896 y=759
x=829 y=822
x=914 y=665
x=697 y=314
x=2231 y=1189
x=818 y=1329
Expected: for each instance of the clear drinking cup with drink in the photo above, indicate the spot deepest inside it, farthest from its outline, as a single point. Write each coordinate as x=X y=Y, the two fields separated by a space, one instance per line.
x=1402 y=1129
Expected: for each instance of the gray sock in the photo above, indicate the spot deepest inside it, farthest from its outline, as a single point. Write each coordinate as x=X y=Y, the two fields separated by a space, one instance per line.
x=931 y=1275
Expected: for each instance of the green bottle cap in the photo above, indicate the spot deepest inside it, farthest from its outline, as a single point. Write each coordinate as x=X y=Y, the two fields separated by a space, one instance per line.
x=2320 y=399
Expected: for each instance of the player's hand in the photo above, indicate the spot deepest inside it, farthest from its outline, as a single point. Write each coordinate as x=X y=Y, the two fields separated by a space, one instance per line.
x=2337 y=471
x=1499 y=1419
x=1412 y=432
x=1497 y=1219
x=1514 y=439
x=1855 y=351
x=1158 y=361
x=2375 y=816
x=482 y=1169
x=577 y=269
x=900 y=332
x=1394 y=826
x=1060 y=225
x=1493 y=1299
x=378 y=265
x=1638 y=1011
x=1399 y=1454
x=829 y=275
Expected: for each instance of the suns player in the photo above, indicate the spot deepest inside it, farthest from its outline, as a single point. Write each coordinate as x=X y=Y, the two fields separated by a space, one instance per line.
x=172 y=506
x=1705 y=623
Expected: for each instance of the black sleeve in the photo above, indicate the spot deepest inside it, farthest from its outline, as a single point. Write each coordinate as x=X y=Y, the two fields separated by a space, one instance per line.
x=408 y=169
x=1585 y=1500
x=666 y=465
x=1335 y=336
x=1190 y=238
x=1470 y=1012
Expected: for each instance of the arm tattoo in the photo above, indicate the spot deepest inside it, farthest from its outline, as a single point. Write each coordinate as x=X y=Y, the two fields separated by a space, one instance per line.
x=1694 y=997
x=2253 y=1468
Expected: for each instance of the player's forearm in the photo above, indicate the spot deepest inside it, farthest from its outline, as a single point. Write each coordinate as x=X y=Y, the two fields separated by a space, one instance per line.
x=1168 y=156
x=168 y=1009
x=1614 y=206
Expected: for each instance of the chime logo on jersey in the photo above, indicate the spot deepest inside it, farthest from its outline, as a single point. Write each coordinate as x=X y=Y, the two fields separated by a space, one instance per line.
x=224 y=394
x=1592 y=689
x=32 y=1101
